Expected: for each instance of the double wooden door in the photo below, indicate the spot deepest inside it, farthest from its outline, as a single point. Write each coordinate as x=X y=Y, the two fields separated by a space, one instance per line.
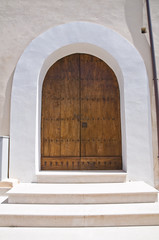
x=80 y=124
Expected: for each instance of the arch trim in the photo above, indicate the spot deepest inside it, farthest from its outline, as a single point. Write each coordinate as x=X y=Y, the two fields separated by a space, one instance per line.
x=120 y=55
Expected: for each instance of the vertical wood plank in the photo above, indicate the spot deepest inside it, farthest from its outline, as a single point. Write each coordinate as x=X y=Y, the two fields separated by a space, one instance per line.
x=70 y=127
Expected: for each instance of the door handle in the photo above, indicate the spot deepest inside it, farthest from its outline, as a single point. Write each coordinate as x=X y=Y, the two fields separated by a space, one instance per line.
x=84 y=124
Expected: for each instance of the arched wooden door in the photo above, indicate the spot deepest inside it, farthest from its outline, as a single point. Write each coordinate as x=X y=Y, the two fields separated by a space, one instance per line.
x=80 y=123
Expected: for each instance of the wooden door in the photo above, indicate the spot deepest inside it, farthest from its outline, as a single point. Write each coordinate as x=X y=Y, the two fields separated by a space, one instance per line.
x=80 y=124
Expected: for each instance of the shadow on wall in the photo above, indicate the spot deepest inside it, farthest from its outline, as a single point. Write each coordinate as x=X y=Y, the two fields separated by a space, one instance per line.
x=136 y=16
x=5 y=122
x=134 y=19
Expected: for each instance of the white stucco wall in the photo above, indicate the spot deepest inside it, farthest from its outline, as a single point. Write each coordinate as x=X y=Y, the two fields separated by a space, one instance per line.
x=141 y=42
x=83 y=37
x=21 y=21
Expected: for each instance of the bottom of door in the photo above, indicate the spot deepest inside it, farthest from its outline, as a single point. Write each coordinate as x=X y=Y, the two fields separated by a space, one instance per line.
x=81 y=163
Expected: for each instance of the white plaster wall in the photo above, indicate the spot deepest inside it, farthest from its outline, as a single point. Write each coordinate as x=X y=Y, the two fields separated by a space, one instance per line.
x=141 y=42
x=23 y=20
x=4 y=147
x=133 y=83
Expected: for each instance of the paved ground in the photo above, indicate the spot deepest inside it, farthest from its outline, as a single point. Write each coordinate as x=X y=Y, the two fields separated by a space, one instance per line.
x=111 y=233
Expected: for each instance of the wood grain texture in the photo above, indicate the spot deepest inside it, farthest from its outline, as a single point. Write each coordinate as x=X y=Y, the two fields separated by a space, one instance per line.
x=80 y=124
x=81 y=163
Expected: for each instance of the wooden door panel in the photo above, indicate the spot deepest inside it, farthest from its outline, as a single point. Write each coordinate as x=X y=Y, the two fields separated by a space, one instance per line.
x=61 y=163
x=60 y=115
x=80 y=125
x=51 y=145
x=70 y=128
x=100 y=107
x=101 y=163
x=50 y=114
x=81 y=163
x=70 y=105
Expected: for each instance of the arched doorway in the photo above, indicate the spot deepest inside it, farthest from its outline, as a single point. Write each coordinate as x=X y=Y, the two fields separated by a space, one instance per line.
x=80 y=123
x=31 y=69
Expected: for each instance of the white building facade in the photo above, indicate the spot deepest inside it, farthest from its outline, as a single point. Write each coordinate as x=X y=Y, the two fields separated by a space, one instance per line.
x=37 y=35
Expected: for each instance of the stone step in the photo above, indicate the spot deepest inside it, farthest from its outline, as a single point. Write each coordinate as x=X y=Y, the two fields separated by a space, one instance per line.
x=102 y=233
x=129 y=192
x=3 y=199
x=83 y=215
x=81 y=176
x=4 y=190
x=7 y=184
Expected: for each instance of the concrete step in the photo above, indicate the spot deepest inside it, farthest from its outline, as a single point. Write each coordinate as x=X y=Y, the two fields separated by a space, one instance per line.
x=4 y=190
x=83 y=215
x=3 y=199
x=102 y=233
x=6 y=185
x=129 y=192
x=8 y=182
x=81 y=176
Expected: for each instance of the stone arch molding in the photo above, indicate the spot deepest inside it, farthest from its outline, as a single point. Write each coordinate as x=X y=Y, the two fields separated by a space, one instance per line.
x=120 y=55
